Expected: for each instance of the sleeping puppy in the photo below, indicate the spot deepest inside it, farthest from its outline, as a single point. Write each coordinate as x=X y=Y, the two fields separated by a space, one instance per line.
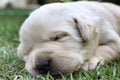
x=65 y=37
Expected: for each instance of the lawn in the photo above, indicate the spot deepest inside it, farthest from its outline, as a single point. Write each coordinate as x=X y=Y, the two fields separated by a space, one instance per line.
x=11 y=68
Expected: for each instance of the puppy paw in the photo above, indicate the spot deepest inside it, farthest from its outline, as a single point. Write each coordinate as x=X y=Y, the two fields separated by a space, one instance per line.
x=89 y=66
x=92 y=63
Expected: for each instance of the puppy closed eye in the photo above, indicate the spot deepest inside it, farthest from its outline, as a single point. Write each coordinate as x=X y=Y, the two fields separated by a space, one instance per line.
x=60 y=36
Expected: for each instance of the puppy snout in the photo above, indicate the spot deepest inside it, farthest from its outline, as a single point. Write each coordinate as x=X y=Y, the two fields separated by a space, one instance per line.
x=43 y=67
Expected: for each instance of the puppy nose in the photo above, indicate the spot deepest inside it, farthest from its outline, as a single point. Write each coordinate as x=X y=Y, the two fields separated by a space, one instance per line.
x=43 y=67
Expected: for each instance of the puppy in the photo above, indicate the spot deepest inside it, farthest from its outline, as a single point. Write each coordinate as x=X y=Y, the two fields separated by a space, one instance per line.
x=65 y=37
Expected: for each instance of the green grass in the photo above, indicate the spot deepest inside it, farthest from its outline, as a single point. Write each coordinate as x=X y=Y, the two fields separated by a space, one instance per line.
x=11 y=68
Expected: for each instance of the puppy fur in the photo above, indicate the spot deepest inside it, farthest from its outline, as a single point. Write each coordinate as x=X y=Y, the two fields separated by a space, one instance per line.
x=71 y=36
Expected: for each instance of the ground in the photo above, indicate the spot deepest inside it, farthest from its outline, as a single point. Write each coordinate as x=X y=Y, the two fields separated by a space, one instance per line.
x=12 y=68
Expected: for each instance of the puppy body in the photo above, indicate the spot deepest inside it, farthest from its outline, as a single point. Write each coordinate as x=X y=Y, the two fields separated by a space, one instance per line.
x=69 y=36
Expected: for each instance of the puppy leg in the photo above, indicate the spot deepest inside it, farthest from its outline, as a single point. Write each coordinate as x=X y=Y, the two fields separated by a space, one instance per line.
x=103 y=54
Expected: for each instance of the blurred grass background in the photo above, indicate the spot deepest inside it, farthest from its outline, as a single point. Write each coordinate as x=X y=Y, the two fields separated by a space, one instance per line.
x=11 y=68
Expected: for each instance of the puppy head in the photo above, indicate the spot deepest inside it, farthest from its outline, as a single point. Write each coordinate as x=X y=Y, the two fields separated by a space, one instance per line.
x=55 y=42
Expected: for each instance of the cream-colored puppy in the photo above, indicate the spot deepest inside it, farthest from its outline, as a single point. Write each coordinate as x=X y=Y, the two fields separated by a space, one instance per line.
x=64 y=37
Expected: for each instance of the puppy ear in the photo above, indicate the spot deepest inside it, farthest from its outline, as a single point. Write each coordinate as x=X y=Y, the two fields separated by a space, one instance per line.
x=86 y=30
